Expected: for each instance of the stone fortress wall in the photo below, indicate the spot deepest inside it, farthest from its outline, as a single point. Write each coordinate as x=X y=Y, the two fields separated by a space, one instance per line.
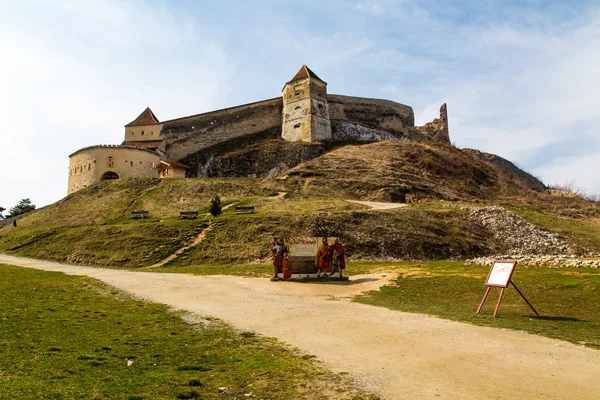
x=89 y=165
x=353 y=119
x=304 y=113
x=185 y=136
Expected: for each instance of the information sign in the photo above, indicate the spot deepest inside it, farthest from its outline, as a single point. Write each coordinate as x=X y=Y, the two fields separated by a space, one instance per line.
x=500 y=276
x=500 y=273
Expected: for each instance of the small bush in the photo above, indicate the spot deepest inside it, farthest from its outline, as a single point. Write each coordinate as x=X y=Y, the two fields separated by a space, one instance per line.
x=215 y=206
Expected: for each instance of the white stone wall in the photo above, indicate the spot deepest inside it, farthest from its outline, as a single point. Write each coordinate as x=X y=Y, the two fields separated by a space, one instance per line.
x=87 y=165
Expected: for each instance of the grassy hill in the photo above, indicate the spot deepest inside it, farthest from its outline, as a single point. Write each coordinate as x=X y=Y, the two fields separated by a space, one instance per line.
x=92 y=226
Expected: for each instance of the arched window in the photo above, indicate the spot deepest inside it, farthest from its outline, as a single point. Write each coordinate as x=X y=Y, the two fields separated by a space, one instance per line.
x=109 y=175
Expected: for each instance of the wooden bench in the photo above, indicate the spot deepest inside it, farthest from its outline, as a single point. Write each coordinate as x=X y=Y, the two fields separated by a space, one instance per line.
x=244 y=209
x=139 y=214
x=188 y=214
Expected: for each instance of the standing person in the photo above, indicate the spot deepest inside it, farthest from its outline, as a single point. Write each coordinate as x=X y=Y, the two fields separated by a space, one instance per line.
x=323 y=257
x=279 y=253
x=337 y=256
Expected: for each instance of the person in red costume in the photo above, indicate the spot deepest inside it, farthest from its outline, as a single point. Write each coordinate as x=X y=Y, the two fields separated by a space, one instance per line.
x=338 y=257
x=323 y=257
x=280 y=255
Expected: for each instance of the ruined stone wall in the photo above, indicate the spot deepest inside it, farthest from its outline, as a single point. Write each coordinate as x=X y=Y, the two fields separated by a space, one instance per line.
x=384 y=115
x=86 y=166
x=438 y=128
x=184 y=137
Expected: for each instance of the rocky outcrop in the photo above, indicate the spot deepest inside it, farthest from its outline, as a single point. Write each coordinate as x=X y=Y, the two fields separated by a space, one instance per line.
x=351 y=132
x=265 y=157
x=509 y=168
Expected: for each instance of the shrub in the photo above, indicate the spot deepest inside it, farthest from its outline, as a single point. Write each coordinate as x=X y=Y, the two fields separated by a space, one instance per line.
x=215 y=206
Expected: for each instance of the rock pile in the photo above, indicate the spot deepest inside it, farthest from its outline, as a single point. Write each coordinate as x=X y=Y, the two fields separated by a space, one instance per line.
x=524 y=242
x=560 y=261
x=515 y=235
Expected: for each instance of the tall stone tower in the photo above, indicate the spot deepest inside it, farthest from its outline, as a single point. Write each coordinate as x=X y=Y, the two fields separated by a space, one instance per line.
x=305 y=108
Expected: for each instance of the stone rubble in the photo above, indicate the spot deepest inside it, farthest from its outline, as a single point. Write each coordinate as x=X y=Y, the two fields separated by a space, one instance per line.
x=551 y=261
x=516 y=235
x=525 y=243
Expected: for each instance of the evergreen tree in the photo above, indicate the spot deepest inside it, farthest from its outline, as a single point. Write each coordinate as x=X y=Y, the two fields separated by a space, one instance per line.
x=215 y=206
x=21 y=208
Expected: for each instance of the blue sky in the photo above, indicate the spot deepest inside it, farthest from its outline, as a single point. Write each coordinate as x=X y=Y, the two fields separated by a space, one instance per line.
x=521 y=78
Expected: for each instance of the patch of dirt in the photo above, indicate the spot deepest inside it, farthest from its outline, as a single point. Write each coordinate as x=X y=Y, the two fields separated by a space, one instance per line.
x=375 y=205
x=399 y=355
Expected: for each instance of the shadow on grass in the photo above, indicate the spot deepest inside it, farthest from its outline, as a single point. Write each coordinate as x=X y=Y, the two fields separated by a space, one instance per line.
x=550 y=318
x=349 y=282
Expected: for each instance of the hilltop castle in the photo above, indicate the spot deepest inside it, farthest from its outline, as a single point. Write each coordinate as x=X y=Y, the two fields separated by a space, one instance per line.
x=194 y=146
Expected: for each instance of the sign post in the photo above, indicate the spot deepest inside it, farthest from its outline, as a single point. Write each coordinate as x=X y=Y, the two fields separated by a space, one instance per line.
x=500 y=276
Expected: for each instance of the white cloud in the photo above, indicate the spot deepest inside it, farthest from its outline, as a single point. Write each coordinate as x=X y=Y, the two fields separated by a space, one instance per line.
x=583 y=170
x=75 y=75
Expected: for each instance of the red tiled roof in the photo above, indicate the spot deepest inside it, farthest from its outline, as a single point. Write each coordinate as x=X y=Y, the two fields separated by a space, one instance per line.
x=173 y=164
x=150 y=144
x=147 y=117
x=176 y=164
x=304 y=73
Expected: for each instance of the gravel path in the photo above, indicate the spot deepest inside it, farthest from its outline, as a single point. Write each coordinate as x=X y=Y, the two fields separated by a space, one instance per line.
x=376 y=205
x=400 y=355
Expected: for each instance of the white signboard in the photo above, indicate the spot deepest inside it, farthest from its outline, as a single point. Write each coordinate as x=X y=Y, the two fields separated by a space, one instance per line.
x=501 y=273
x=303 y=249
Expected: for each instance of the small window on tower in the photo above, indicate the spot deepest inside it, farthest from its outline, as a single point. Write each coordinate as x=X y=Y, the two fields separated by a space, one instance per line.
x=142 y=133
x=132 y=133
x=297 y=108
x=131 y=163
x=109 y=162
x=296 y=126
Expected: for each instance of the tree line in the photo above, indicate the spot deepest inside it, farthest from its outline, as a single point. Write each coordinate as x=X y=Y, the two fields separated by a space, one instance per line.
x=21 y=208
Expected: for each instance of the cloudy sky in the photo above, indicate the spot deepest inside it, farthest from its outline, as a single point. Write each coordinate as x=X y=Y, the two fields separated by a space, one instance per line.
x=521 y=78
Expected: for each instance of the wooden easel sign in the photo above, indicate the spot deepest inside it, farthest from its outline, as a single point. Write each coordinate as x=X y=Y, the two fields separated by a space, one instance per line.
x=500 y=276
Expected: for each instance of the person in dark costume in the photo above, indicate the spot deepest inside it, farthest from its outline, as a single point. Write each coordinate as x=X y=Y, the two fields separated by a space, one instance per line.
x=280 y=254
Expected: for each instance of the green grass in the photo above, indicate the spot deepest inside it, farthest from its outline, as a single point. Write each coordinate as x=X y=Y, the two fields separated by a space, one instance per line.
x=124 y=244
x=567 y=299
x=92 y=226
x=65 y=337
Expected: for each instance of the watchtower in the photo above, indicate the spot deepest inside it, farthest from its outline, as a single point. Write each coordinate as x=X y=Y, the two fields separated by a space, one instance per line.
x=305 y=108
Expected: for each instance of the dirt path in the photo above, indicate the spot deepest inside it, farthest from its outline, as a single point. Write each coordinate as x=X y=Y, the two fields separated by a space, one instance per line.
x=400 y=355
x=197 y=240
x=375 y=205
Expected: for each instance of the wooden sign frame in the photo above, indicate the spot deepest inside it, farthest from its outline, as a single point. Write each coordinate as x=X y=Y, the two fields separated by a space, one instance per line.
x=504 y=274
x=500 y=276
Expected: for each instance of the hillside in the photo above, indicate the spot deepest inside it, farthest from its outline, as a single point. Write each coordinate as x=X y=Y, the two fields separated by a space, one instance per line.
x=92 y=226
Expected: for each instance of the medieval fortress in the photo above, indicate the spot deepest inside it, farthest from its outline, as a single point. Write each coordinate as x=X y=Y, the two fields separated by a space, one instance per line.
x=305 y=114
